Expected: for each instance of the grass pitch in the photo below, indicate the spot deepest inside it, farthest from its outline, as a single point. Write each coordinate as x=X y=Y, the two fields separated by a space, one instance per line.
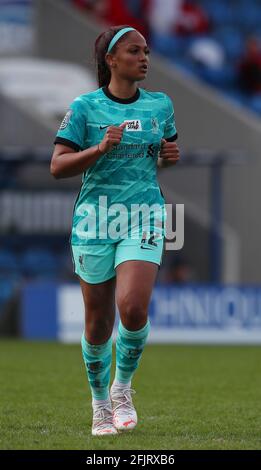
x=188 y=397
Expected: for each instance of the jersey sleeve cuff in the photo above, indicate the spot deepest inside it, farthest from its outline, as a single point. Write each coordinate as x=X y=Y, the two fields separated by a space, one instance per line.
x=172 y=138
x=67 y=142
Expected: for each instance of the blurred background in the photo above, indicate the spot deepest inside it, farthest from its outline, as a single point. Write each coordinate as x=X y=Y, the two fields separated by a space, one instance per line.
x=207 y=57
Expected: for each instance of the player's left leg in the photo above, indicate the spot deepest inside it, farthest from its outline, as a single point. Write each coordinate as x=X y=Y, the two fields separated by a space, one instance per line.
x=136 y=271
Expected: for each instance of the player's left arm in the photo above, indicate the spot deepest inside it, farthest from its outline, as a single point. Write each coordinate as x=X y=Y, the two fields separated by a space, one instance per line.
x=169 y=151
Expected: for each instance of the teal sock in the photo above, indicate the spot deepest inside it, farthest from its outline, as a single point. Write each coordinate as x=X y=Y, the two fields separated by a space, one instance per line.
x=129 y=347
x=97 y=359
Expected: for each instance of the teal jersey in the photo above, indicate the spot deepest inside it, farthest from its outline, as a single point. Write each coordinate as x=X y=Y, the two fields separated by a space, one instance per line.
x=125 y=178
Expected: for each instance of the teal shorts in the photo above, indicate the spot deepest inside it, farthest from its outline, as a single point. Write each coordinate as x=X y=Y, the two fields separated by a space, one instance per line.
x=97 y=263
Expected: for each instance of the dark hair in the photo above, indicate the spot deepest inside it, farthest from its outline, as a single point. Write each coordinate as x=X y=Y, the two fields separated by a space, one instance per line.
x=101 y=46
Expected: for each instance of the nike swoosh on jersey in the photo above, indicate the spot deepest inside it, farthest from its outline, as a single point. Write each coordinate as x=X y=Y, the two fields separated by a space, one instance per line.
x=145 y=248
x=104 y=127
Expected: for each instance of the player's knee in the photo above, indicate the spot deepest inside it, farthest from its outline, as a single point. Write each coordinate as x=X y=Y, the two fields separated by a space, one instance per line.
x=98 y=328
x=133 y=315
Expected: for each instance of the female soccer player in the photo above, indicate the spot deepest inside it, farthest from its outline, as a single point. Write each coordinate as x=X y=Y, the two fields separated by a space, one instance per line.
x=114 y=136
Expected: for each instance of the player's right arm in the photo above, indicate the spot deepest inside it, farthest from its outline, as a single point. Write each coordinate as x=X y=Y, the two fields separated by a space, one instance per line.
x=67 y=162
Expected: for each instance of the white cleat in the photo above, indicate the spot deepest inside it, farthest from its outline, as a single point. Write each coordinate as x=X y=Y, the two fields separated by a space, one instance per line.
x=124 y=413
x=102 y=424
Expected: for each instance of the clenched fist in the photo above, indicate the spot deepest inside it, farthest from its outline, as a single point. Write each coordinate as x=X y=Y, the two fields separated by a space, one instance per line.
x=112 y=137
x=169 y=153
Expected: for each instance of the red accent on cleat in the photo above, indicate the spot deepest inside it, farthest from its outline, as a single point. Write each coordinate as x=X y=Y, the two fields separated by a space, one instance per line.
x=129 y=422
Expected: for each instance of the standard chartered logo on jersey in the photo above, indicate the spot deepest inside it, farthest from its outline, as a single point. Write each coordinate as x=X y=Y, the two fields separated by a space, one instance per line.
x=140 y=221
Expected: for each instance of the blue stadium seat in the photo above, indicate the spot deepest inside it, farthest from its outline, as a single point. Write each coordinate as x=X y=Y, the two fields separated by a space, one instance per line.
x=220 y=13
x=248 y=16
x=8 y=262
x=39 y=263
x=7 y=289
x=237 y=97
x=170 y=46
x=186 y=65
x=223 y=78
x=66 y=266
x=232 y=41
x=255 y=104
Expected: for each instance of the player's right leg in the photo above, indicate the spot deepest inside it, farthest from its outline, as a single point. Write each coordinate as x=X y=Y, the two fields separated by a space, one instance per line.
x=94 y=266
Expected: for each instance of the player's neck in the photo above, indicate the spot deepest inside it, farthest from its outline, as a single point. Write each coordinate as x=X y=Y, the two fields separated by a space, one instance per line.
x=123 y=89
